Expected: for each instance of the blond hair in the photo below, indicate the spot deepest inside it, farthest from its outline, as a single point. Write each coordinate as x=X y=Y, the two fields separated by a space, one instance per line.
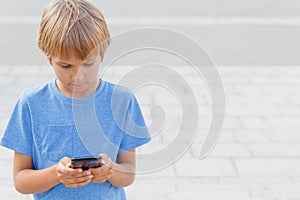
x=72 y=28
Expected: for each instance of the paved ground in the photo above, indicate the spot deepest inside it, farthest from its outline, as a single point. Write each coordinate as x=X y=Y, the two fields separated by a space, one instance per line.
x=258 y=156
x=255 y=46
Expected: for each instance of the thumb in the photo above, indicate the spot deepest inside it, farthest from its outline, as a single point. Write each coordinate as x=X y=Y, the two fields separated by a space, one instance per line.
x=104 y=158
x=66 y=161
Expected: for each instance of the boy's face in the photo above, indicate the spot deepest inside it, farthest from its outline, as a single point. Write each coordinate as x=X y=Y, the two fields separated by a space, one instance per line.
x=77 y=78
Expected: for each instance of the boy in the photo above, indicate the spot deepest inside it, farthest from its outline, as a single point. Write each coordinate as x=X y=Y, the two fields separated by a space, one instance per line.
x=75 y=115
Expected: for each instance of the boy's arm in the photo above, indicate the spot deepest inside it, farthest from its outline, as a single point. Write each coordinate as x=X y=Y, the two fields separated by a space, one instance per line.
x=29 y=181
x=124 y=170
x=119 y=174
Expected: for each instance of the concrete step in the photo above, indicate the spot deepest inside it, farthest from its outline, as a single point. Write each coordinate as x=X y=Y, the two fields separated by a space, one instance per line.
x=233 y=32
x=212 y=8
x=228 y=42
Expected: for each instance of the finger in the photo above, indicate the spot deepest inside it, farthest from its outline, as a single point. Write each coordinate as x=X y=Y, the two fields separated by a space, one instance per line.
x=77 y=175
x=64 y=167
x=96 y=171
x=78 y=184
x=100 y=174
x=99 y=180
x=105 y=169
x=68 y=165
x=103 y=158
x=79 y=179
x=106 y=161
x=102 y=177
x=65 y=161
x=70 y=171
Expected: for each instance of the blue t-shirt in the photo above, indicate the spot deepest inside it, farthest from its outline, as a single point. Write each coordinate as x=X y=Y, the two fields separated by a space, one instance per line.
x=48 y=126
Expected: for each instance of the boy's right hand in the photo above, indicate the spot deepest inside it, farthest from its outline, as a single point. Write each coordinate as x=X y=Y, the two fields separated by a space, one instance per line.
x=72 y=178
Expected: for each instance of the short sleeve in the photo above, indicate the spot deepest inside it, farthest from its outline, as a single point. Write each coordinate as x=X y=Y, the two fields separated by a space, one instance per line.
x=18 y=134
x=135 y=131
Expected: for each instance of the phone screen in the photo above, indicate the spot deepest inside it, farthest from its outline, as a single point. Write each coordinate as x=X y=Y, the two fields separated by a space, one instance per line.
x=86 y=163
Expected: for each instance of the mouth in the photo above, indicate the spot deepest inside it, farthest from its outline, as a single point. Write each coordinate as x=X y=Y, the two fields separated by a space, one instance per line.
x=77 y=85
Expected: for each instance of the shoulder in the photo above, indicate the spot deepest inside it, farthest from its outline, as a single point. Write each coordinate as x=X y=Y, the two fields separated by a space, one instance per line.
x=117 y=90
x=120 y=97
x=36 y=93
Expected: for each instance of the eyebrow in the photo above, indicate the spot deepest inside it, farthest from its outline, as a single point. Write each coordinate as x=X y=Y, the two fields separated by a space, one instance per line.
x=85 y=62
x=91 y=59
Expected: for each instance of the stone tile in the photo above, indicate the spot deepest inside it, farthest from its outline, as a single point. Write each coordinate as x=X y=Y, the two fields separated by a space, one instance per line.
x=6 y=154
x=287 y=80
x=143 y=188
x=282 y=122
x=227 y=136
x=32 y=81
x=279 y=191
x=233 y=150
x=5 y=69
x=5 y=112
x=211 y=194
x=280 y=89
x=288 y=71
x=256 y=180
x=262 y=79
x=206 y=167
x=195 y=184
x=6 y=170
x=6 y=80
x=3 y=124
x=14 y=92
x=295 y=179
x=251 y=136
x=265 y=71
x=146 y=194
x=256 y=157
x=152 y=147
x=8 y=192
x=247 y=89
x=231 y=122
x=25 y=70
x=236 y=70
x=252 y=110
x=253 y=122
x=46 y=70
x=290 y=110
x=284 y=134
x=187 y=183
x=275 y=150
x=230 y=80
x=166 y=171
x=250 y=99
x=268 y=166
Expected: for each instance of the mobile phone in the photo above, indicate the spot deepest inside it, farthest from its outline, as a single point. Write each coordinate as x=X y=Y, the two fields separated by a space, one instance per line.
x=86 y=163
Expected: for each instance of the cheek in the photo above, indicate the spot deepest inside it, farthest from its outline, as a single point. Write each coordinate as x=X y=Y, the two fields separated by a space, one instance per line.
x=60 y=74
x=93 y=73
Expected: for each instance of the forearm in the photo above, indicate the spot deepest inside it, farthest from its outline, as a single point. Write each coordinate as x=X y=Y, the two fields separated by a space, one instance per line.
x=123 y=175
x=29 y=181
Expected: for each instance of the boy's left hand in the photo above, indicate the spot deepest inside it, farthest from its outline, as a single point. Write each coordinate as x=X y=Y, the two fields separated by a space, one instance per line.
x=103 y=173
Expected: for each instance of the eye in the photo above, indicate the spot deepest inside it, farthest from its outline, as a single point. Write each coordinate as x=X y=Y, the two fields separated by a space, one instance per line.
x=65 y=66
x=88 y=64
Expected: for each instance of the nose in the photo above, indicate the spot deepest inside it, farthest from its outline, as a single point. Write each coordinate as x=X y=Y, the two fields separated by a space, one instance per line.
x=78 y=75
